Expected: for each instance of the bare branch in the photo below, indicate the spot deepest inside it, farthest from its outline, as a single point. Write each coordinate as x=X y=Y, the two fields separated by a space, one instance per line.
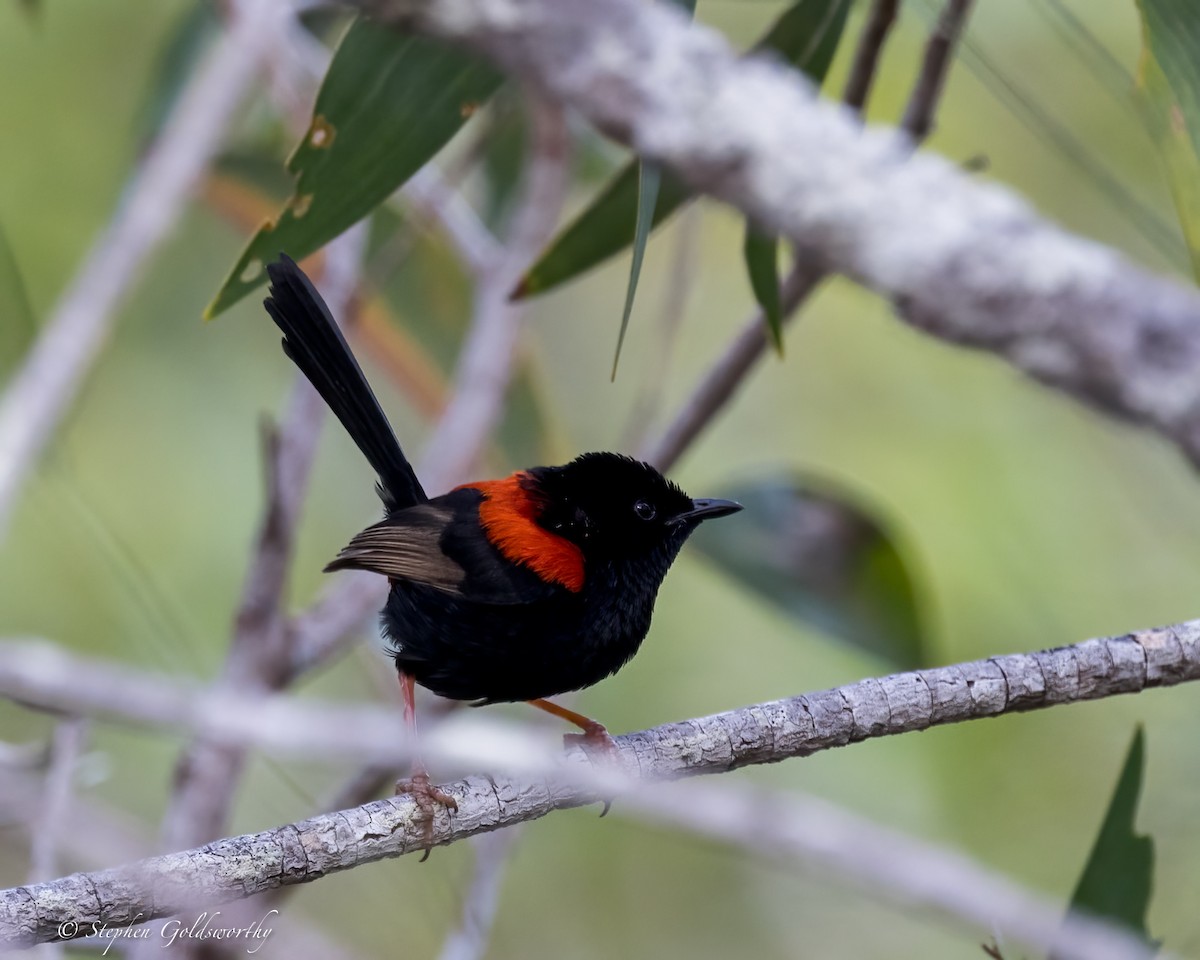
x=866 y=56
x=42 y=391
x=765 y=733
x=435 y=199
x=43 y=676
x=965 y=260
x=469 y=940
x=70 y=735
x=918 y=116
x=249 y=865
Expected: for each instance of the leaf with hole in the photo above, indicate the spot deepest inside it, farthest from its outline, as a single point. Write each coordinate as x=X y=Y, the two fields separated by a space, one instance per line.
x=829 y=562
x=388 y=104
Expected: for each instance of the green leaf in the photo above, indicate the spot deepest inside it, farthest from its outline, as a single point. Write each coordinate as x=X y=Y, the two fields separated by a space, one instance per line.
x=1118 y=878
x=649 y=181
x=806 y=35
x=388 y=104
x=761 y=252
x=824 y=560
x=601 y=231
x=18 y=326
x=1170 y=79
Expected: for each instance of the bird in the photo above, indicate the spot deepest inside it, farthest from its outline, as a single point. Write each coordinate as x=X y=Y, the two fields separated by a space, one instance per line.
x=503 y=590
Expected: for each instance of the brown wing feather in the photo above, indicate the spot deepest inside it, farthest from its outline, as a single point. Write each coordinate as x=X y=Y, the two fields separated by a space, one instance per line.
x=406 y=546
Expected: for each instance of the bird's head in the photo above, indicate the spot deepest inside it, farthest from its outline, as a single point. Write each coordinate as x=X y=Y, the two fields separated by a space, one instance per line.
x=615 y=508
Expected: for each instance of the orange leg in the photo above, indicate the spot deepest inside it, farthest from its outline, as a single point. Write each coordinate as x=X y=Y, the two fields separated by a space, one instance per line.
x=423 y=792
x=591 y=729
x=595 y=736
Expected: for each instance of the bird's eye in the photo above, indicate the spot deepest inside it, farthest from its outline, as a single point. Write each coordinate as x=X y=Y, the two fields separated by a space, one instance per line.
x=644 y=510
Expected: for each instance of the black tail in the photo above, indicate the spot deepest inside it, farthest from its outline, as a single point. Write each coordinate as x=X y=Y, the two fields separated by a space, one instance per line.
x=316 y=345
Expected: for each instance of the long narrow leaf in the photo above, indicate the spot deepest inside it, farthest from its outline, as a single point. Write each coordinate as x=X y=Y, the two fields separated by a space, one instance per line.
x=388 y=104
x=761 y=253
x=649 y=182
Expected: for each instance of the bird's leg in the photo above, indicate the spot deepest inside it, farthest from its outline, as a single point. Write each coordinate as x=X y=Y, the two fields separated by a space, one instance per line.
x=595 y=739
x=417 y=784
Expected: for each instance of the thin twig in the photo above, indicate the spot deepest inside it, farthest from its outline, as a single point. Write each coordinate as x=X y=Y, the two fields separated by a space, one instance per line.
x=70 y=736
x=866 y=57
x=42 y=391
x=922 y=105
x=469 y=940
x=433 y=198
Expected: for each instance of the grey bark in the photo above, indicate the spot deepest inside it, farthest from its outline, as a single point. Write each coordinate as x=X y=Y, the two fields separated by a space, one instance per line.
x=239 y=867
x=962 y=259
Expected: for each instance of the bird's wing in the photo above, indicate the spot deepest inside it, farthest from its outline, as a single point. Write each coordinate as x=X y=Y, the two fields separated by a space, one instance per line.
x=440 y=544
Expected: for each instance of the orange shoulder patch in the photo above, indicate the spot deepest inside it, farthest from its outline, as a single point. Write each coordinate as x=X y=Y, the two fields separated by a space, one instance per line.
x=509 y=515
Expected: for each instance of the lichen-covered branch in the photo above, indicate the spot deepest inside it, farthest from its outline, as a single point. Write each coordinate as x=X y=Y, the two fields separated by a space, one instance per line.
x=765 y=733
x=965 y=260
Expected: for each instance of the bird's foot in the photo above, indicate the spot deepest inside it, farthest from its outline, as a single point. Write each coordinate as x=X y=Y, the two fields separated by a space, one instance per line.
x=599 y=745
x=426 y=796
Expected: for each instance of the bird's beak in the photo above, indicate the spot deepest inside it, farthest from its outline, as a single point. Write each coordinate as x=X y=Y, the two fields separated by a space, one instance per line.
x=707 y=510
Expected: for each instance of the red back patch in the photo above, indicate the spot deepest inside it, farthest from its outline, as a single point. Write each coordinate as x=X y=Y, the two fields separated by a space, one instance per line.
x=509 y=515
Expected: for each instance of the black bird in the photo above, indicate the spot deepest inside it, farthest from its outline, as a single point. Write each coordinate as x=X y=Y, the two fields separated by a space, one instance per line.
x=501 y=590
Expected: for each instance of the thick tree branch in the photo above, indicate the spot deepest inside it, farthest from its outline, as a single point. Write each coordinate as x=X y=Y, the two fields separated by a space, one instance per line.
x=765 y=733
x=964 y=260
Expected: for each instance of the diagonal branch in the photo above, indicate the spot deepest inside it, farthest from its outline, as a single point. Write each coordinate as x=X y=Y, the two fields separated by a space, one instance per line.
x=964 y=260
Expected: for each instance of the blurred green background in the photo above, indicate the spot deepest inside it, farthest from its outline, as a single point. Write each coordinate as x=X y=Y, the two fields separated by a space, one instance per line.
x=1027 y=520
